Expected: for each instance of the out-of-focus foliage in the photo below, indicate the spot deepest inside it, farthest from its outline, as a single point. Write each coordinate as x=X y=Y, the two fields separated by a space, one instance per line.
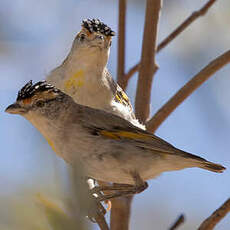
x=58 y=217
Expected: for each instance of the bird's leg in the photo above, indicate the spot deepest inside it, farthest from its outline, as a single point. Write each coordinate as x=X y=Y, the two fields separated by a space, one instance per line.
x=140 y=185
x=121 y=189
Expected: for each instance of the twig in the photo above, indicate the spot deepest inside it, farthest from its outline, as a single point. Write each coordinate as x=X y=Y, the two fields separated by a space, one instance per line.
x=129 y=74
x=180 y=220
x=186 y=90
x=120 y=213
x=101 y=222
x=195 y=15
x=216 y=217
x=121 y=42
x=148 y=65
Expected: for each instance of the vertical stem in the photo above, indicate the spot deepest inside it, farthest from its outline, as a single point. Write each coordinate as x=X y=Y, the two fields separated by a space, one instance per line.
x=120 y=212
x=148 y=65
x=121 y=42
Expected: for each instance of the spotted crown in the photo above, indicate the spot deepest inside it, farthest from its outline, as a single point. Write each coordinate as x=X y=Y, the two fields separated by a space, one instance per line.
x=95 y=25
x=29 y=89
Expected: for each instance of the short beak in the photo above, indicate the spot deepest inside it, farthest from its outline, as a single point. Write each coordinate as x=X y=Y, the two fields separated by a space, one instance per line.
x=14 y=109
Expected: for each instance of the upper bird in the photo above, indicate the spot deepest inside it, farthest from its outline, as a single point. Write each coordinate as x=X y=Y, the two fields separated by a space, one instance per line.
x=84 y=76
x=110 y=148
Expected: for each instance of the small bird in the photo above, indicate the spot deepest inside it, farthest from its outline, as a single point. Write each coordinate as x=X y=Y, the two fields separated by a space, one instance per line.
x=108 y=147
x=84 y=76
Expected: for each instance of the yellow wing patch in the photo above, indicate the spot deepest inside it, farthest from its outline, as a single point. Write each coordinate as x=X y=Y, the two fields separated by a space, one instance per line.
x=125 y=134
x=149 y=141
x=75 y=81
x=122 y=98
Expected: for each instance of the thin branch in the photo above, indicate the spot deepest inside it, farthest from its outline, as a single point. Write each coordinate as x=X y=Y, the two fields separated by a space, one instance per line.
x=148 y=65
x=186 y=90
x=180 y=220
x=185 y=24
x=121 y=207
x=216 y=217
x=120 y=213
x=129 y=74
x=195 y=15
x=101 y=222
x=121 y=42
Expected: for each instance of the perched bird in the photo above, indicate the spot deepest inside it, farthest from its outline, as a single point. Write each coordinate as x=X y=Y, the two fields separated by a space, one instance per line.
x=84 y=76
x=109 y=148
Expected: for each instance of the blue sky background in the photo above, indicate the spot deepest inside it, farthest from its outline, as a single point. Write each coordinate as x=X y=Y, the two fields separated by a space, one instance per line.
x=35 y=37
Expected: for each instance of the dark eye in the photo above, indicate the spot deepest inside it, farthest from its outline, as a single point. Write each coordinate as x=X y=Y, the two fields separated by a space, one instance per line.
x=82 y=37
x=40 y=103
x=100 y=37
x=110 y=43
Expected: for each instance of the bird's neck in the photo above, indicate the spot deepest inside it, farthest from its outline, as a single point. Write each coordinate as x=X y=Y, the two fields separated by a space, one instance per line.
x=90 y=62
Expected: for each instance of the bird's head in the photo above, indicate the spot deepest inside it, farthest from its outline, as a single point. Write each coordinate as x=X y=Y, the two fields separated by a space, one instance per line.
x=95 y=36
x=40 y=99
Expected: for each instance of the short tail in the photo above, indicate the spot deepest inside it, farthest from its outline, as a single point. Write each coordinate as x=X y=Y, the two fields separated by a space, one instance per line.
x=212 y=167
x=202 y=163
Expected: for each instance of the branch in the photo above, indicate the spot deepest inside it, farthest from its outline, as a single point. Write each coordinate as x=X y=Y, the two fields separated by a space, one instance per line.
x=120 y=213
x=180 y=220
x=101 y=222
x=121 y=43
x=193 y=17
x=121 y=207
x=216 y=217
x=186 y=90
x=148 y=65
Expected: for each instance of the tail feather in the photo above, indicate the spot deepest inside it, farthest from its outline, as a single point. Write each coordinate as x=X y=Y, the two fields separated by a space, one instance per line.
x=212 y=167
x=203 y=163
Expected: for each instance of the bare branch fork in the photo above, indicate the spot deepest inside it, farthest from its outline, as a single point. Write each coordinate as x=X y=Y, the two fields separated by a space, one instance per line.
x=186 y=90
x=185 y=24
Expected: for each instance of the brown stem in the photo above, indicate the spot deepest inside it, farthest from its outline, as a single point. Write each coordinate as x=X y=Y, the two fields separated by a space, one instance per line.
x=101 y=222
x=121 y=207
x=216 y=217
x=121 y=42
x=148 y=65
x=180 y=220
x=120 y=213
x=186 y=90
x=195 y=15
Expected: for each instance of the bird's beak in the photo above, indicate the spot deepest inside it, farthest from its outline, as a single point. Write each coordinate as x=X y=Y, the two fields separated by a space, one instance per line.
x=15 y=109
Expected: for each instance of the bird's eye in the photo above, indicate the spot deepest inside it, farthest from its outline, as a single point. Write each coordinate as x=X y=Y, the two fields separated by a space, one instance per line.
x=110 y=43
x=40 y=103
x=82 y=37
x=100 y=37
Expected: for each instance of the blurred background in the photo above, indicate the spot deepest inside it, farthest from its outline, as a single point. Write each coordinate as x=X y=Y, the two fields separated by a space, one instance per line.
x=35 y=37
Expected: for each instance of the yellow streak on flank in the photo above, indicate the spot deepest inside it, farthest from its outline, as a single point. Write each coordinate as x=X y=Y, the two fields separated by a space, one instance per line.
x=75 y=81
x=51 y=145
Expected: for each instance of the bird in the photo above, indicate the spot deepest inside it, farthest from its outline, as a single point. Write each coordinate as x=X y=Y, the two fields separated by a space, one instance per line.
x=84 y=76
x=108 y=147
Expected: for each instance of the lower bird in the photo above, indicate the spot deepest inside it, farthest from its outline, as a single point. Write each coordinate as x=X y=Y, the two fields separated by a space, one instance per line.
x=108 y=147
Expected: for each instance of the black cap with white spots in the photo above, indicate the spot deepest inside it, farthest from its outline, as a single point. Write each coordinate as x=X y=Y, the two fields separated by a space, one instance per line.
x=95 y=25
x=29 y=89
